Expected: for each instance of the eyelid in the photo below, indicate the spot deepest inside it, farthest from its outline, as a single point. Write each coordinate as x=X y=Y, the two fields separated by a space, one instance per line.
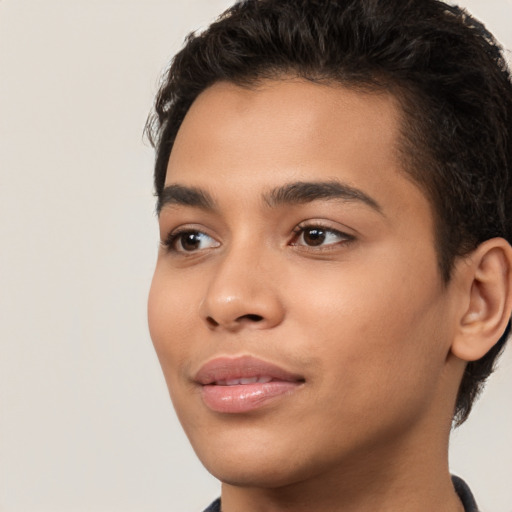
x=168 y=241
x=172 y=237
x=324 y=226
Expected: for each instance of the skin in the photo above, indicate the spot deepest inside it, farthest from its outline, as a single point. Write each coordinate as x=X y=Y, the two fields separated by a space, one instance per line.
x=364 y=317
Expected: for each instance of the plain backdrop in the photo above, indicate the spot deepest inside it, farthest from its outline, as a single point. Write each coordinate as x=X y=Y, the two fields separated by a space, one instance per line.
x=85 y=419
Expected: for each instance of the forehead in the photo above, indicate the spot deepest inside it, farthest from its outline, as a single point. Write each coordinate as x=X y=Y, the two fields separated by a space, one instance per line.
x=237 y=140
x=290 y=120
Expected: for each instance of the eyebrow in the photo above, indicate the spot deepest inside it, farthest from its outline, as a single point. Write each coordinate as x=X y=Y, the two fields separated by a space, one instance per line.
x=302 y=192
x=299 y=192
x=184 y=196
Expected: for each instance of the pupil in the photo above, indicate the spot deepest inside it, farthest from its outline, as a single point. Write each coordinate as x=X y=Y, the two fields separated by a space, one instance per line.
x=314 y=236
x=190 y=241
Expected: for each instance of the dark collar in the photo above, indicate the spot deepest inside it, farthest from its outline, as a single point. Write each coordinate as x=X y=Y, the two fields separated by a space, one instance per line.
x=214 y=507
x=464 y=493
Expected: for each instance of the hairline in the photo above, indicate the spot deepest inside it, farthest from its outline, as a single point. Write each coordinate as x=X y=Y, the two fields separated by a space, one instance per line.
x=412 y=159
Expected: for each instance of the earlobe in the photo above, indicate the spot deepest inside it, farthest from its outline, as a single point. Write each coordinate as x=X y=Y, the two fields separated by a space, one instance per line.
x=487 y=283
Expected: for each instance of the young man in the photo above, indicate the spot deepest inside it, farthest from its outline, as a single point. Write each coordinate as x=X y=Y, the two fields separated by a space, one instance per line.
x=334 y=281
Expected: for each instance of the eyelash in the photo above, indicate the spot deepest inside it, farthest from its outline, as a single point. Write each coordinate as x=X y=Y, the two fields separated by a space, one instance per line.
x=309 y=226
x=173 y=238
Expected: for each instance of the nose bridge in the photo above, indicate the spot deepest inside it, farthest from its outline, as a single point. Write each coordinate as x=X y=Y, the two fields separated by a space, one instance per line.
x=241 y=291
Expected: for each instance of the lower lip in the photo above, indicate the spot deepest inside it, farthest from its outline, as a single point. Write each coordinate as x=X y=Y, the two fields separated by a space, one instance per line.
x=245 y=397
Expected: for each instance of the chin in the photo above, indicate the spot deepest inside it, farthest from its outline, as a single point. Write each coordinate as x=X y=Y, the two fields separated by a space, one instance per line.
x=268 y=474
x=253 y=461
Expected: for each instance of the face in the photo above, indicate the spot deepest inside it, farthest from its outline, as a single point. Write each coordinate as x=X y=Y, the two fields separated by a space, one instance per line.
x=297 y=309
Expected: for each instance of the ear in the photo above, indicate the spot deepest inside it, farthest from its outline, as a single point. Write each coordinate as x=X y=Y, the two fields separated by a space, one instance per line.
x=486 y=280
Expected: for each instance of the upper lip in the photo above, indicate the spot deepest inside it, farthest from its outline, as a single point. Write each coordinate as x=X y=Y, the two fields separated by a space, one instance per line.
x=229 y=368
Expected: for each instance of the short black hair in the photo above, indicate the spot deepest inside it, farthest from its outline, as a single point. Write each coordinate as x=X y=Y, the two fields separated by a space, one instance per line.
x=445 y=69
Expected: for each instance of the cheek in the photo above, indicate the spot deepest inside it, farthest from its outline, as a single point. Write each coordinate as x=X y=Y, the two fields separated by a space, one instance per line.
x=170 y=311
x=375 y=331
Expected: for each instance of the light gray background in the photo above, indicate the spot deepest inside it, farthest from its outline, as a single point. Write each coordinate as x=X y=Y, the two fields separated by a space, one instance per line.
x=85 y=420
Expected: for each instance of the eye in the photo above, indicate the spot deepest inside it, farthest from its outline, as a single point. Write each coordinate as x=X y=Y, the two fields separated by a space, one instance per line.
x=318 y=236
x=189 y=240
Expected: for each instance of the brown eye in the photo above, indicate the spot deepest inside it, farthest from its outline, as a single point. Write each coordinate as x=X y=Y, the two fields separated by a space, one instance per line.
x=314 y=236
x=319 y=236
x=190 y=241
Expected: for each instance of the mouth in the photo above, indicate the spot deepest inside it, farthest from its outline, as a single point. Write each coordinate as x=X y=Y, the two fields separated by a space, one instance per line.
x=244 y=384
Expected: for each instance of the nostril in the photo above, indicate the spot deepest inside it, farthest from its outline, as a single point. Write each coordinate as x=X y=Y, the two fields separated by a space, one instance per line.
x=211 y=322
x=252 y=318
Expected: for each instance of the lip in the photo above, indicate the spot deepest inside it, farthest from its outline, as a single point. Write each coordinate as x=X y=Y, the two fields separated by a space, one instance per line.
x=222 y=389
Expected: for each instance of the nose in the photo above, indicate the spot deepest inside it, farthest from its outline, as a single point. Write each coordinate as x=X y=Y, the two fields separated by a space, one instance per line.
x=242 y=294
